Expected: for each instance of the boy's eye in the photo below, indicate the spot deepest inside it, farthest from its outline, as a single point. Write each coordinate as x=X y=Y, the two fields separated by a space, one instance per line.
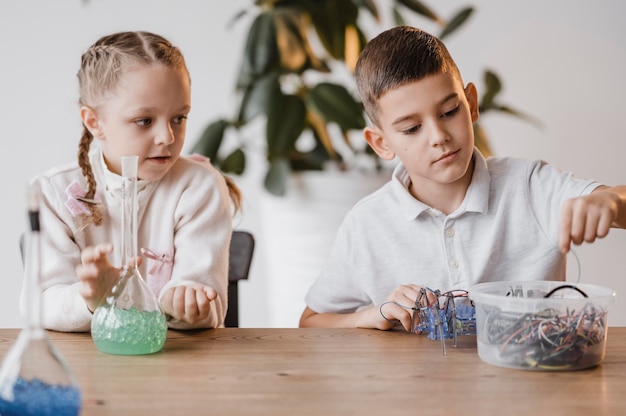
x=451 y=112
x=411 y=130
x=143 y=121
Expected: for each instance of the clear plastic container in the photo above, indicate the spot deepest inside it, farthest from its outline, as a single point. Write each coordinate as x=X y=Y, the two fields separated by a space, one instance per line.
x=541 y=325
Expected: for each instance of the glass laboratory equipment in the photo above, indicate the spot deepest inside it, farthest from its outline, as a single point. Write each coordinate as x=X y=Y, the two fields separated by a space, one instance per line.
x=34 y=378
x=128 y=320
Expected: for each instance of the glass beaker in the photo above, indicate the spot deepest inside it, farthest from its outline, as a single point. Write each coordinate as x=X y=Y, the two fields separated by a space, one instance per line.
x=128 y=320
x=34 y=378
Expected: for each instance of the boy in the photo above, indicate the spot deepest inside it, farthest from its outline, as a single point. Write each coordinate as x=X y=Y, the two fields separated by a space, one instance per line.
x=448 y=219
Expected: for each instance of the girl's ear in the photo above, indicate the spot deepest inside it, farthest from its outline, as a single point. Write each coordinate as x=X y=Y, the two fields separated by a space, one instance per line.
x=375 y=138
x=91 y=122
x=472 y=99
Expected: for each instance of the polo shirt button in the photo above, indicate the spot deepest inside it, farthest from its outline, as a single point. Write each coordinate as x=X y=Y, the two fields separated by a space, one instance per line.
x=454 y=263
x=449 y=232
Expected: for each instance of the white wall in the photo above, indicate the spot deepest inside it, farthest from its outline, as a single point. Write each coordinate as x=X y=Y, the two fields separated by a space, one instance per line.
x=561 y=62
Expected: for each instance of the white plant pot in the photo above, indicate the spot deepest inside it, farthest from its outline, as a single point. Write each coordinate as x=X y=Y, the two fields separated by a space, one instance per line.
x=296 y=232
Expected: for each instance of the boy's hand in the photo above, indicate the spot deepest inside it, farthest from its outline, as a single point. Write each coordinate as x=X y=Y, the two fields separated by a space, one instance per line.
x=189 y=303
x=95 y=274
x=390 y=309
x=587 y=218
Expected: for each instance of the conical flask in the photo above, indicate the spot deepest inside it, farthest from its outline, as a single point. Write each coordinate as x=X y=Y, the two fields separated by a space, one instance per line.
x=34 y=378
x=128 y=320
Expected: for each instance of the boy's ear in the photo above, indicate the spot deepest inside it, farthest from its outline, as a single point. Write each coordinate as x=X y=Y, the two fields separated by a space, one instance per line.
x=91 y=122
x=374 y=137
x=472 y=99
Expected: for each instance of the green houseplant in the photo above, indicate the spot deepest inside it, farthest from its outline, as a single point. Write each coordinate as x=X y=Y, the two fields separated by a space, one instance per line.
x=295 y=54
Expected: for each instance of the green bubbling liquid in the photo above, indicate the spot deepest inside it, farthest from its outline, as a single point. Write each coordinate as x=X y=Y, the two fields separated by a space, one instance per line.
x=128 y=331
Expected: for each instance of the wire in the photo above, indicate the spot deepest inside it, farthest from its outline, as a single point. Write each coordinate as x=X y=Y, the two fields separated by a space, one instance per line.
x=397 y=321
x=578 y=264
x=548 y=339
x=550 y=293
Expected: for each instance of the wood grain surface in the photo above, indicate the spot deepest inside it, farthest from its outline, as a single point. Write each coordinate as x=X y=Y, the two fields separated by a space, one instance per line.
x=296 y=371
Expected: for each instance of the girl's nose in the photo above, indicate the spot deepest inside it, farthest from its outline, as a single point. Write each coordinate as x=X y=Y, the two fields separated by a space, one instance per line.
x=165 y=136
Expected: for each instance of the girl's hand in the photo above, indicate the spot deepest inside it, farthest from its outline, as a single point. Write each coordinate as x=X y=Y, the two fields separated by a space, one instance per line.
x=189 y=303
x=95 y=274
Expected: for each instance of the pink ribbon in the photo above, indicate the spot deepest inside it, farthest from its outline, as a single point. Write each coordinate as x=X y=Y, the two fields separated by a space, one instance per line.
x=161 y=259
x=76 y=207
x=159 y=269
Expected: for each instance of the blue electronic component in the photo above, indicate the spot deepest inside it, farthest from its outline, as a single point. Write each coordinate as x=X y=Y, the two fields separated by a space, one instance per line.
x=430 y=321
x=456 y=317
x=465 y=322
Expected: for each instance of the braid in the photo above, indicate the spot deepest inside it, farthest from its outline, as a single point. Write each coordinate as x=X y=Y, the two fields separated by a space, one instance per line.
x=85 y=167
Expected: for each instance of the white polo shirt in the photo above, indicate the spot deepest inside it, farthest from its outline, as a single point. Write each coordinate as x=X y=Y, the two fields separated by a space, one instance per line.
x=506 y=228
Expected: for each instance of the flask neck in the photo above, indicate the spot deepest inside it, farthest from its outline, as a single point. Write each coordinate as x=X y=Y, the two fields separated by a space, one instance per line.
x=32 y=286
x=129 y=223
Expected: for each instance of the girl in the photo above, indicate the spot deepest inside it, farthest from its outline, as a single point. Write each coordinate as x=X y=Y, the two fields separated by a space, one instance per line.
x=134 y=100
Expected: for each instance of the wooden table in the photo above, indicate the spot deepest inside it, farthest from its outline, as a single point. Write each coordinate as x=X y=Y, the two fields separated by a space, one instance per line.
x=237 y=371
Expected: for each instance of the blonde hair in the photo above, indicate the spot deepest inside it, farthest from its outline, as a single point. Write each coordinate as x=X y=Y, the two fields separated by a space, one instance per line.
x=102 y=67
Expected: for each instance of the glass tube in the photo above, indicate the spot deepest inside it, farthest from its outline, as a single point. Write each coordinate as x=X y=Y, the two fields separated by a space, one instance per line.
x=34 y=378
x=128 y=320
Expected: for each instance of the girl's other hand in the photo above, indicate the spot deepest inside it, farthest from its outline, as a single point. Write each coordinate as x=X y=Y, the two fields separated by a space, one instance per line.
x=189 y=303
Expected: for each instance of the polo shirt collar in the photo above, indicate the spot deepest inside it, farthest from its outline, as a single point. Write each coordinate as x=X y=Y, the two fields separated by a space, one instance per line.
x=476 y=198
x=400 y=181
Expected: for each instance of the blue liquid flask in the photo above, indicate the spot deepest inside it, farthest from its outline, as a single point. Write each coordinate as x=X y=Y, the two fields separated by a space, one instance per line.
x=34 y=378
x=128 y=320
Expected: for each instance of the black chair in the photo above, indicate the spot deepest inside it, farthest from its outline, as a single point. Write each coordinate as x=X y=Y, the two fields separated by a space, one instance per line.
x=240 y=259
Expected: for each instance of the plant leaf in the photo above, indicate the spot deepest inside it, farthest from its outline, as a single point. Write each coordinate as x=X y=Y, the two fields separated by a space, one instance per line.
x=290 y=39
x=492 y=87
x=370 y=6
x=211 y=139
x=312 y=160
x=298 y=25
x=258 y=96
x=234 y=162
x=398 y=19
x=362 y=39
x=330 y=21
x=420 y=8
x=320 y=131
x=353 y=46
x=276 y=176
x=335 y=104
x=346 y=141
x=261 y=51
x=240 y=14
x=515 y=113
x=285 y=123
x=457 y=21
